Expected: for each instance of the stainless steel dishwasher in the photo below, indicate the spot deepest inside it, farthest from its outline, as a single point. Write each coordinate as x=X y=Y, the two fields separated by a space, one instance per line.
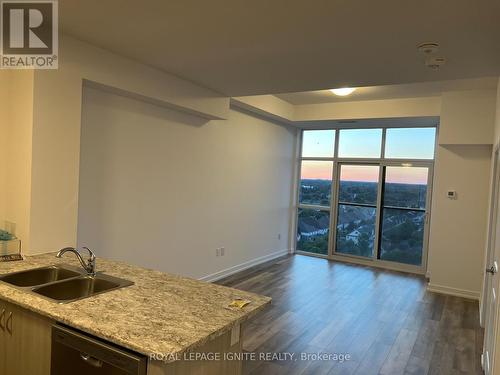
x=76 y=353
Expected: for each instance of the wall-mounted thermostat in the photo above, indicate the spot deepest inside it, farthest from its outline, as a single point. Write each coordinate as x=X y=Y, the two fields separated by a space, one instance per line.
x=452 y=194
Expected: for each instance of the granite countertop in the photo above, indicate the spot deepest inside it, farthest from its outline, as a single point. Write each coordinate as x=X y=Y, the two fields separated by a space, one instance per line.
x=160 y=313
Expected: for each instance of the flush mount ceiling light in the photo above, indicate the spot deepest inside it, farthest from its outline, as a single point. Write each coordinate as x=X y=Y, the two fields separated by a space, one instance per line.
x=344 y=91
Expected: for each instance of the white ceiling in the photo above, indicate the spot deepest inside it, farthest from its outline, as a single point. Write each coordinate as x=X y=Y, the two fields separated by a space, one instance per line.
x=410 y=90
x=262 y=46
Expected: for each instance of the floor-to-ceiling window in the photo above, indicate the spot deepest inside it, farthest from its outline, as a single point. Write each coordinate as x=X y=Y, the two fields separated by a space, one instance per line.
x=315 y=191
x=365 y=194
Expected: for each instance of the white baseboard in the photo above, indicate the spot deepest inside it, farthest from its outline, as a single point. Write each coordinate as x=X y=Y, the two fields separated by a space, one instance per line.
x=453 y=291
x=243 y=266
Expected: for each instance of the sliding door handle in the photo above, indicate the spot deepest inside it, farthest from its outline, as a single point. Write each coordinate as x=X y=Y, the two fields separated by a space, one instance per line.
x=493 y=269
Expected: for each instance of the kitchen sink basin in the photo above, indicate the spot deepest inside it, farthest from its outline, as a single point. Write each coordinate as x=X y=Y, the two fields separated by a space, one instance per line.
x=63 y=284
x=39 y=276
x=81 y=287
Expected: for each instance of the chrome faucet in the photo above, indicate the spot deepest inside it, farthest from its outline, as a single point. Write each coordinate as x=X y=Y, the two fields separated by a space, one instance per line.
x=88 y=265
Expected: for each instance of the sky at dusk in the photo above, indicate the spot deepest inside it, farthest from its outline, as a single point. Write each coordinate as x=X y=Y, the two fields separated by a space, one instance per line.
x=401 y=143
x=318 y=143
x=406 y=175
x=322 y=170
x=316 y=170
x=360 y=143
x=411 y=143
x=359 y=173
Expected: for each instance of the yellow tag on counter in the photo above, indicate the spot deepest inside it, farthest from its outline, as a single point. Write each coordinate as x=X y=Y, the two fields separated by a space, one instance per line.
x=239 y=303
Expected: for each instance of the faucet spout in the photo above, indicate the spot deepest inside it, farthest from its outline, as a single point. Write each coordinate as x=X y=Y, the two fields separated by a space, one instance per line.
x=89 y=265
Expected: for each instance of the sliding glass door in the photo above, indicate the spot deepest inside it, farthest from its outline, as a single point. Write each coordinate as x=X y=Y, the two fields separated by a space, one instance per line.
x=404 y=216
x=382 y=220
x=357 y=209
x=365 y=194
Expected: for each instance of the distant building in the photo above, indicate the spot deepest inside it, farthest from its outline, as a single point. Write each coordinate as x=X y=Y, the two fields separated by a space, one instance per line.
x=354 y=236
x=310 y=227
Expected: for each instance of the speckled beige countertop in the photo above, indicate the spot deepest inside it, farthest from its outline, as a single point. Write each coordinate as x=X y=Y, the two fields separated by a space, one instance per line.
x=160 y=313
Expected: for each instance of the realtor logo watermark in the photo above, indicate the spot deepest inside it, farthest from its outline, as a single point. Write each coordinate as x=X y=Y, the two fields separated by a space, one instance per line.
x=29 y=34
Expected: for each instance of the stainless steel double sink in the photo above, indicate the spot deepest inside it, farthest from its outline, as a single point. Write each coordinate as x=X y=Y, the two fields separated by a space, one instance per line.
x=63 y=284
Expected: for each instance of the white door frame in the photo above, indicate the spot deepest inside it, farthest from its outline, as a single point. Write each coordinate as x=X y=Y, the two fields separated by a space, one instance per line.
x=491 y=232
x=491 y=284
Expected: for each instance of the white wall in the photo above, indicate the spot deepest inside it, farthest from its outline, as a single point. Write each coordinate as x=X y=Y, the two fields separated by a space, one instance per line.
x=4 y=121
x=463 y=163
x=16 y=95
x=457 y=237
x=56 y=128
x=19 y=151
x=267 y=105
x=164 y=189
x=467 y=117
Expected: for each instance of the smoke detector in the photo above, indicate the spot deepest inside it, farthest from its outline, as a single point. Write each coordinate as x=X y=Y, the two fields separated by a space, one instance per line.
x=435 y=62
x=429 y=51
x=428 y=48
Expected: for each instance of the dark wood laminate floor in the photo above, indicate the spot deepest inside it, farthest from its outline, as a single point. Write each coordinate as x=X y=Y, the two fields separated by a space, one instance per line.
x=386 y=321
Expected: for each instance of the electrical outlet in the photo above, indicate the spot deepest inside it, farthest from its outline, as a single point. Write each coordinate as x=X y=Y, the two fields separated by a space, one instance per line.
x=222 y=251
x=217 y=252
x=10 y=227
x=279 y=236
